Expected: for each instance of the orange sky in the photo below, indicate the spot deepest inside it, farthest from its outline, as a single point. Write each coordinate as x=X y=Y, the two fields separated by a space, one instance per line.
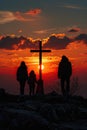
x=10 y=60
x=77 y=53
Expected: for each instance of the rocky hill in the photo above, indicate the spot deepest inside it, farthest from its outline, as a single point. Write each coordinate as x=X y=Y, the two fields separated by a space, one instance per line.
x=46 y=112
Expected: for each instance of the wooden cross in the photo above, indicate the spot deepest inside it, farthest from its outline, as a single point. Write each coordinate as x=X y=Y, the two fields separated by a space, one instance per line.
x=40 y=61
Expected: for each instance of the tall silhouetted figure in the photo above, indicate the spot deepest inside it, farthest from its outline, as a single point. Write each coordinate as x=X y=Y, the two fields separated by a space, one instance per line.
x=22 y=76
x=31 y=82
x=64 y=73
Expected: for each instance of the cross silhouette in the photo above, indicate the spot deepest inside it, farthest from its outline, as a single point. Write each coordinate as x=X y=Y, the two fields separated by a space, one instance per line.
x=40 y=63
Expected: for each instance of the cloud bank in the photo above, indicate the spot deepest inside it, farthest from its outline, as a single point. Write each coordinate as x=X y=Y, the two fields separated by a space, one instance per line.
x=55 y=41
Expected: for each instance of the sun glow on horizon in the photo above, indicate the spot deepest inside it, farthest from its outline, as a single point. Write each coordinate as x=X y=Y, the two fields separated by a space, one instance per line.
x=42 y=67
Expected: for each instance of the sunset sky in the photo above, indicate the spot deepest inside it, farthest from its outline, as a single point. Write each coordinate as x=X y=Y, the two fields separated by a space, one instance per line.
x=62 y=27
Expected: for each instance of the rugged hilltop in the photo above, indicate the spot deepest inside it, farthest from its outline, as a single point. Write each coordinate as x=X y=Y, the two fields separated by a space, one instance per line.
x=46 y=112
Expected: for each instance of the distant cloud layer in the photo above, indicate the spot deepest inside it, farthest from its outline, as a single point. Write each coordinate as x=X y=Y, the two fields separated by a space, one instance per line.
x=56 y=41
x=72 y=6
x=72 y=30
x=8 y=16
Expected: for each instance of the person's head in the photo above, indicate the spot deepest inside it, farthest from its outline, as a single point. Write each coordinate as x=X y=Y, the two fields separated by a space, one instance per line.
x=22 y=63
x=32 y=72
x=64 y=58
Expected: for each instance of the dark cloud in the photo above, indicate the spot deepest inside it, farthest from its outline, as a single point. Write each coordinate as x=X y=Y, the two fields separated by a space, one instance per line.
x=25 y=43
x=56 y=42
x=73 y=30
x=9 y=42
x=81 y=37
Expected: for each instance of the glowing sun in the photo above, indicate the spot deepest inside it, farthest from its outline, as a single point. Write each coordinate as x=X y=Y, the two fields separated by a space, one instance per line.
x=42 y=67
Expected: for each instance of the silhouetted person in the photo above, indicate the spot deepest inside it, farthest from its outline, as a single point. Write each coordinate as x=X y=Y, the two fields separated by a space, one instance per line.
x=31 y=82
x=64 y=73
x=22 y=76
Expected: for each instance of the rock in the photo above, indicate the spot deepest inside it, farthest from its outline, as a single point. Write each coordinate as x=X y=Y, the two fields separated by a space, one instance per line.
x=2 y=92
x=47 y=111
x=23 y=119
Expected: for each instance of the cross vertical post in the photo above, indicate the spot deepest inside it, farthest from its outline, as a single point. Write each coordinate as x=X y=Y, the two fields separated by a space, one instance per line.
x=40 y=83
x=40 y=62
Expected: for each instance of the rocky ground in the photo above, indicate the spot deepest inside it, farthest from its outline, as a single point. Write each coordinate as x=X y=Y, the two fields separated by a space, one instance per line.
x=45 y=112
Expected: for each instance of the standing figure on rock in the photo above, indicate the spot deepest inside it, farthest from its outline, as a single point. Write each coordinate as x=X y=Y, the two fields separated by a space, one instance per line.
x=22 y=76
x=31 y=82
x=64 y=73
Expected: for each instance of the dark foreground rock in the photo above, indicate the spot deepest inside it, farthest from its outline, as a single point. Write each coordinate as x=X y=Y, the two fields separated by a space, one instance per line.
x=45 y=112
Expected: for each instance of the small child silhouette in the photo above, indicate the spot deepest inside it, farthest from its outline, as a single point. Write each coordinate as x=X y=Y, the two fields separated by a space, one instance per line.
x=31 y=82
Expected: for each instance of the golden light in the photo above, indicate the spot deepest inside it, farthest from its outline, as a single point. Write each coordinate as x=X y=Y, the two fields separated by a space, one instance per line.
x=42 y=67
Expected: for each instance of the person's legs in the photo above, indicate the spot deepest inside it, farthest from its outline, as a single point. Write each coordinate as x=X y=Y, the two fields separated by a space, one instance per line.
x=30 y=90
x=62 y=86
x=22 y=85
x=67 y=86
x=33 y=89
